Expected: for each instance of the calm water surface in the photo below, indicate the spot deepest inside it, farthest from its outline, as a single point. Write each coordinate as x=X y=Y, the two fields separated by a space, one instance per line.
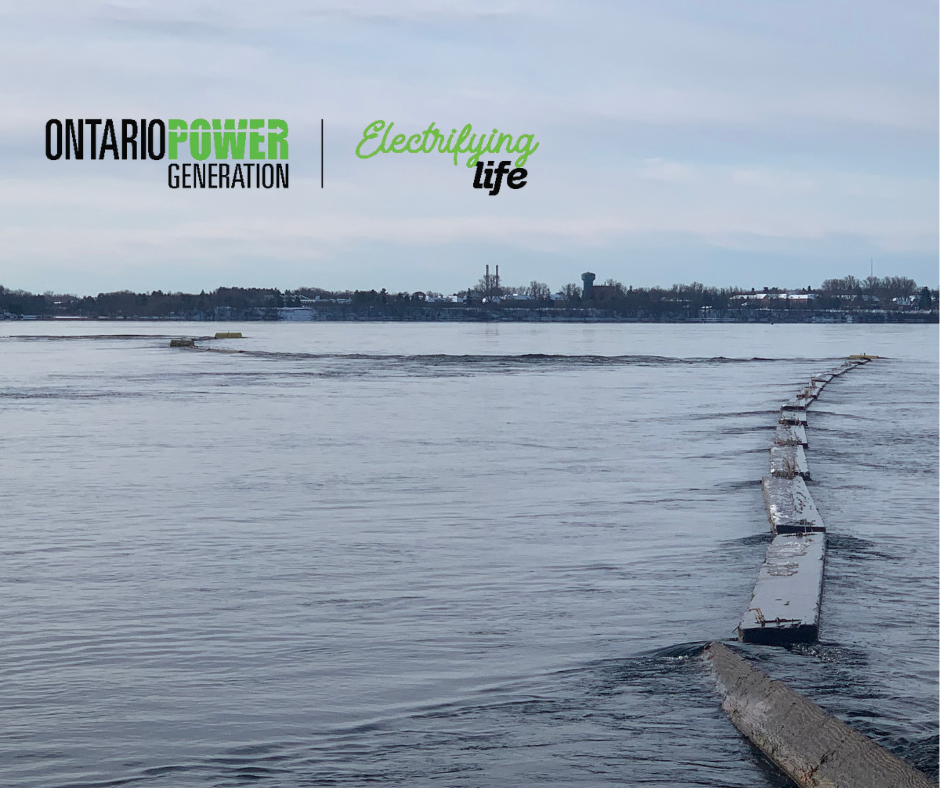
x=443 y=555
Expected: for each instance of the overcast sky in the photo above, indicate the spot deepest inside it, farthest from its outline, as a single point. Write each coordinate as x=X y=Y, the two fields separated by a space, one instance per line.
x=748 y=143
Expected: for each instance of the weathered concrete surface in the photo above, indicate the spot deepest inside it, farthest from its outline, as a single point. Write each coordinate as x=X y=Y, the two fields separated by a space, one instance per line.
x=809 y=393
x=788 y=461
x=846 y=367
x=813 y=748
x=800 y=402
x=790 y=435
x=784 y=608
x=793 y=417
x=790 y=506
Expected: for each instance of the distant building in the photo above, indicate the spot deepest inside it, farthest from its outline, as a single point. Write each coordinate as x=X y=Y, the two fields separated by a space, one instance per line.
x=599 y=294
x=766 y=298
x=587 y=290
x=295 y=313
x=603 y=294
x=755 y=298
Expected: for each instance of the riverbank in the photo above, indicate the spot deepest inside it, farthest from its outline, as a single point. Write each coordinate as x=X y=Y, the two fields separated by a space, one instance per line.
x=460 y=314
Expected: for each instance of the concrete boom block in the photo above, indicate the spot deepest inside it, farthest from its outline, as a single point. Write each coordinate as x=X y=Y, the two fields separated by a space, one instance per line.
x=790 y=506
x=793 y=417
x=790 y=435
x=788 y=461
x=784 y=608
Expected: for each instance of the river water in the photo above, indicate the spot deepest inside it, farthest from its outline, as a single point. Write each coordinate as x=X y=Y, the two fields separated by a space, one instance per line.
x=443 y=555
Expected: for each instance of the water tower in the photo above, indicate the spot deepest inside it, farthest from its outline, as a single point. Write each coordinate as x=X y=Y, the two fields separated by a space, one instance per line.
x=587 y=292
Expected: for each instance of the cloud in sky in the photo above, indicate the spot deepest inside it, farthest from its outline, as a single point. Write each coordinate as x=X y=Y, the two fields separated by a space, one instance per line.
x=728 y=142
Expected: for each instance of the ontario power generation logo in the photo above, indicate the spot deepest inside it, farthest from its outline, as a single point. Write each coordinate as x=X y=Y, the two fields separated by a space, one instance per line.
x=487 y=174
x=226 y=142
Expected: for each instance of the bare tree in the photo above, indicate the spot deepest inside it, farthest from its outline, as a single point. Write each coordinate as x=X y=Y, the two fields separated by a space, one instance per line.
x=538 y=291
x=848 y=286
x=898 y=287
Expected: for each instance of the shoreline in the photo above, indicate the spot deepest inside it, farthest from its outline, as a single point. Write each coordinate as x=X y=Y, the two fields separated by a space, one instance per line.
x=476 y=315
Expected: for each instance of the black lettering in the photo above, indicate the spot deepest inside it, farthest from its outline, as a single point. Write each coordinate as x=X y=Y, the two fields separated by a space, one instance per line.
x=501 y=170
x=105 y=145
x=93 y=122
x=172 y=179
x=128 y=139
x=237 y=176
x=161 y=126
x=282 y=176
x=186 y=174
x=266 y=170
x=143 y=139
x=476 y=178
x=223 y=176
x=199 y=174
x=58 y=139
x=73 y=140
x=488 y=180
x=517 y=178
x=212 y=174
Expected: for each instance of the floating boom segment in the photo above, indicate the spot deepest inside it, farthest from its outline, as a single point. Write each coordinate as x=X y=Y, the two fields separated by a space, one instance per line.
x=790 y=506
x=790 y=435
x=785 y=605
x=793 y=417
x=788 y=461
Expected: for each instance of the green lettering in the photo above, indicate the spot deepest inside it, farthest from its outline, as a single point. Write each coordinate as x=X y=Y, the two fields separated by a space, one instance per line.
x=525 y=150
x=489 y=145
x=200 y=145
x=501 y=140
x=431 y=139
x=427 y=132
x=370 y=133
x=383 y=148
x=464 y=133
x=229 y=140
x=255 y=139
x=277 y=143
x=476 y=150
x=446 y=147
x=177 y=135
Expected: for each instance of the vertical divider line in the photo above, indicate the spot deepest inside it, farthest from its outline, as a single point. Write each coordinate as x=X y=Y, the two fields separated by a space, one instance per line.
x=321 y=153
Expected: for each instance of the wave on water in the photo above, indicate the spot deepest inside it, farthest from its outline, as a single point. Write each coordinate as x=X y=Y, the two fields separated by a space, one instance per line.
x=527 y=359
x=93 y=337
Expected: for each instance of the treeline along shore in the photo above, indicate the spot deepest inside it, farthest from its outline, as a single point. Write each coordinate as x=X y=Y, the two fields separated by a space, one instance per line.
x=872 y=300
